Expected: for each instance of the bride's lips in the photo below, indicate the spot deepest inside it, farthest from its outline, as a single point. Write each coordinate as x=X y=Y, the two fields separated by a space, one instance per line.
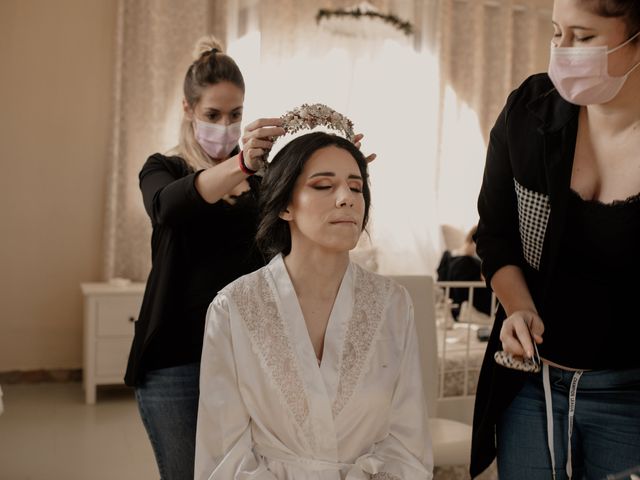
x=342 y=221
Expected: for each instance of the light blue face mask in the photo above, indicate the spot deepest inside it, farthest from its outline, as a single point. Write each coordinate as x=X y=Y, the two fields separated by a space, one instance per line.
x=581 y=74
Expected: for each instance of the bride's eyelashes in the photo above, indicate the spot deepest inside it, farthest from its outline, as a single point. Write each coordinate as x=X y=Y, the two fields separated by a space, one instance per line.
x=354 y=188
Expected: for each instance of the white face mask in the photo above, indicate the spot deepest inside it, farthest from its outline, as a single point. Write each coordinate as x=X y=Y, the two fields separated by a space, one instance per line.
x=217 y=140
x=581 y=74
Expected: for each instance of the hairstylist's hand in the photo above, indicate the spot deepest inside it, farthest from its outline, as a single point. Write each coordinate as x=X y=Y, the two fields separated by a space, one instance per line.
x=515 y=336
x=357 y=141
x=258 y=138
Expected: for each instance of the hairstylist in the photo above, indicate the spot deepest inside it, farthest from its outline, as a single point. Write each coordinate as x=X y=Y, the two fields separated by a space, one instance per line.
x=202 y=202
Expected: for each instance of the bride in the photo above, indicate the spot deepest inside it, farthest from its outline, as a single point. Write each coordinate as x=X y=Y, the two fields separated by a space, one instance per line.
x=310 y=366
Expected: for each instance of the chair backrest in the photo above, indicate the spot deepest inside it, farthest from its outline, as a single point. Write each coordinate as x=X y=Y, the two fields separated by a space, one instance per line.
x=420 y=288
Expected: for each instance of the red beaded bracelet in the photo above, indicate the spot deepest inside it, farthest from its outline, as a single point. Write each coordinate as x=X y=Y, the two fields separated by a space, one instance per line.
x=243 y=166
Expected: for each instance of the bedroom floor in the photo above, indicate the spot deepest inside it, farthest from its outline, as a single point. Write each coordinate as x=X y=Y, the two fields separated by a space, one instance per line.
x=47 y=432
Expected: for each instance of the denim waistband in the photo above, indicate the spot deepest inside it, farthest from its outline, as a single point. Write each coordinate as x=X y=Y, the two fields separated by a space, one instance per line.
x=596 y=379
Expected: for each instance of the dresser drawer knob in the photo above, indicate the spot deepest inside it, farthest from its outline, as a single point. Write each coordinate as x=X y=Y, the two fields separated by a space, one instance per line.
x=132 y=319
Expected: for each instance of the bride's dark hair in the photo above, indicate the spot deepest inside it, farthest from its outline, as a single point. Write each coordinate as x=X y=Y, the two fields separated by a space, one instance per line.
x=273 y=235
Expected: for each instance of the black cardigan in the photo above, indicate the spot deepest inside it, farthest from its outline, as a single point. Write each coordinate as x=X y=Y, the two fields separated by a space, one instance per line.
x=522 y=206
x=197 y=248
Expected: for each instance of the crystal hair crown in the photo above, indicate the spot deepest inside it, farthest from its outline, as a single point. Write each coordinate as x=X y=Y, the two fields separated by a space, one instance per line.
x=308 y=117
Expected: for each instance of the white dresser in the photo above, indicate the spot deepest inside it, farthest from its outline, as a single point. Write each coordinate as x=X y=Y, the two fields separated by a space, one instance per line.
x=109 y=315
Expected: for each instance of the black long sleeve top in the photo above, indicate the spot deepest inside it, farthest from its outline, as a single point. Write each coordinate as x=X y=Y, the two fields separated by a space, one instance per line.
x=196 y=248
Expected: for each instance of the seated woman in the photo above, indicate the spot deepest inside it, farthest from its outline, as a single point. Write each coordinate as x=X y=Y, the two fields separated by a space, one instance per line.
x=310 y=365
x=463 y=264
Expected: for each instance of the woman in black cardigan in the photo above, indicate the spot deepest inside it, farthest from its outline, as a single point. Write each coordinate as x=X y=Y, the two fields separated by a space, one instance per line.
x=203 y=208
x=558 y=237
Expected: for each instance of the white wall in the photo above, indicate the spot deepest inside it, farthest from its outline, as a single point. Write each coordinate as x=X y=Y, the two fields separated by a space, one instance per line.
x=56 y=81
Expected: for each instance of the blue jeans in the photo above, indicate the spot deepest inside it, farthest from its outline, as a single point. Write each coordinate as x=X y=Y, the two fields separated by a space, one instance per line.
x=168 y=403
x=606 y=428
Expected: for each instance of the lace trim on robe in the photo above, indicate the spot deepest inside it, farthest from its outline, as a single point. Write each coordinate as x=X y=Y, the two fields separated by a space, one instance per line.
x=271 y=343
x=371 y=293
x=384 y=476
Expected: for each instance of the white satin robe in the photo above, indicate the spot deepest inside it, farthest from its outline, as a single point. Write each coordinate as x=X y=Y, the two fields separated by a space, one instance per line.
x=267 y=409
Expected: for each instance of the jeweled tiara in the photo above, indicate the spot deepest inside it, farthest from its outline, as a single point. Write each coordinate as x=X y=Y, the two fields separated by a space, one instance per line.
x=317 y=114
x=309 y=116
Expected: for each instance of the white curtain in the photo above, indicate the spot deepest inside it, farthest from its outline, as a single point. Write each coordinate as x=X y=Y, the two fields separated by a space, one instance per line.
x=486 y=49
x=155 y=39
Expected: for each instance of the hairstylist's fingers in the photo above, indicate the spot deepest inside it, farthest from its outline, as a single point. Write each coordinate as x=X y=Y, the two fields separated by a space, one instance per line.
x=253 y=158
x=263 y=122
x=357 y=141
x=257 y=143
x=255 y=153
x=269 y=133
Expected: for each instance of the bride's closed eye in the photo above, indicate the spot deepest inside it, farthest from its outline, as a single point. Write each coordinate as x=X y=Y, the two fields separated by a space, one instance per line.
x=354 y=189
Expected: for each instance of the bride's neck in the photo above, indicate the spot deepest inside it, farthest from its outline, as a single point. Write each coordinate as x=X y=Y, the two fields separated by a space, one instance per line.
x=317 y=272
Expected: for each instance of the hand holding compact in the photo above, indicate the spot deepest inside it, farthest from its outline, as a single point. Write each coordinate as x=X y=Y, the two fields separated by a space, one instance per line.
x=520 y=334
